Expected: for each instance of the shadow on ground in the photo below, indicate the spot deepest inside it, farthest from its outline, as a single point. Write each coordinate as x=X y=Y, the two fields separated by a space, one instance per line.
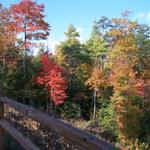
x=11 y=144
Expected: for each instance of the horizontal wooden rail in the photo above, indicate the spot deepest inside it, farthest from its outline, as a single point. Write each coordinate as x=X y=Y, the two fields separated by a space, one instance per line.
x=78 y=136
x=24 y=142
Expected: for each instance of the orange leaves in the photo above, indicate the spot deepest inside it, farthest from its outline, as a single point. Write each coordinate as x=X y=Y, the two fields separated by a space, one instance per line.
x=123 y=47
x=140 y=88
x=27 y=18
x=124 y=24
x=115 y=33
x=27 y=8
x=124 y=79
x=127 y=116
x=127 y=87
x=6 y=37
x=122 y=34
x=97 y=79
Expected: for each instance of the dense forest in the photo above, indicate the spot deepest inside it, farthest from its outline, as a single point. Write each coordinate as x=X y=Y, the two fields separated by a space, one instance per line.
x=103 y=81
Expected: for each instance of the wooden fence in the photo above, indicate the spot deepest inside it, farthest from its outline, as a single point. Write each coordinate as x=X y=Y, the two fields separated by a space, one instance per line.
x=76 y=135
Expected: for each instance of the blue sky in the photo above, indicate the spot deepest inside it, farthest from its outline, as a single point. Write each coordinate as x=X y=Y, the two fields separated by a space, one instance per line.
x=81 y=13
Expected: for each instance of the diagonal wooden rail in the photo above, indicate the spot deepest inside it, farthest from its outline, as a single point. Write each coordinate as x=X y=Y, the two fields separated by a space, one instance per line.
x=26 y=143
x=76 y=135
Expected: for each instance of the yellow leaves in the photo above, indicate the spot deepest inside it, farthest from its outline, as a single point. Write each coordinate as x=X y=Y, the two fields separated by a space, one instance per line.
x=115 y=33
x=60 y=56
x=124 y=47
x=126 y=44
x=132 y=25
x=127 y=114
x=124 y=24
x=146 y=73
x=123 y=43
x=120 y=21
x=127 y=117
x=83 y=71
x=6 y=38
x=123 y=79
x=121 y=61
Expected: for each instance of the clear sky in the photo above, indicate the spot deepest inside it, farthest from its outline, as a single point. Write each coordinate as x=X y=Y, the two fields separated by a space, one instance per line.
x=81 y=13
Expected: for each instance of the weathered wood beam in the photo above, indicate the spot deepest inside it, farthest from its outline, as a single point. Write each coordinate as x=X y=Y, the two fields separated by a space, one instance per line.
x=24 y=142
x=74 y=134
x=1 y=129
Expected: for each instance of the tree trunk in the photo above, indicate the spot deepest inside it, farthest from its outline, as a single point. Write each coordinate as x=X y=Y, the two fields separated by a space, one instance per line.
x=24 y=61
x=3 y=67
x=47 y=104
x=25 y=46
x=51 y=107
x=24 y=54
x=94 y=101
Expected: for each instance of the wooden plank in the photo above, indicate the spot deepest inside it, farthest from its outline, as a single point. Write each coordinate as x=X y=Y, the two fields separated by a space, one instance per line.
x=1 y=117
x=1 y=129
x=76 y=135
x=24 y=142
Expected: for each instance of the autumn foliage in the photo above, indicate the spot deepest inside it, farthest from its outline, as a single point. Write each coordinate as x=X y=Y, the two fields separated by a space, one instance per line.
x=51 y=78
x=28 y=18
x=127 y=86
x=106 y=78
x=98 y=79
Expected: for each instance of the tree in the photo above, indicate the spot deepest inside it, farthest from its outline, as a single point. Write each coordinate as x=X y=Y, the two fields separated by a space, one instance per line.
x=127 y=87
x=73 y=56
x=142 y=67
x=7 y=39
x=69 y=50
x=97 y=82
x=104 y=24
x=52 y=79
x=95 y=31
x=28 y=21
x=126 y=90
x=97 y=49
x=69 y=55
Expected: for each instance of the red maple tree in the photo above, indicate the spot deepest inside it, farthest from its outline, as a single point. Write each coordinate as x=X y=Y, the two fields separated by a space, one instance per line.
x=28 y=22
x=28 y=18
x=52 y=79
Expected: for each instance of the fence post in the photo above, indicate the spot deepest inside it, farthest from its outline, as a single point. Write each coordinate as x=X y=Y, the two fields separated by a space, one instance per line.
x=1 y=117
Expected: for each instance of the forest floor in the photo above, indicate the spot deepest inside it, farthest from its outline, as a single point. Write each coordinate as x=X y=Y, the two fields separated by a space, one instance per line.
x=45 y=138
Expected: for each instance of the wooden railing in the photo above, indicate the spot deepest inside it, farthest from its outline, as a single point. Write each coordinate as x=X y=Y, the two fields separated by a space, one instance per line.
x=76 y=135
